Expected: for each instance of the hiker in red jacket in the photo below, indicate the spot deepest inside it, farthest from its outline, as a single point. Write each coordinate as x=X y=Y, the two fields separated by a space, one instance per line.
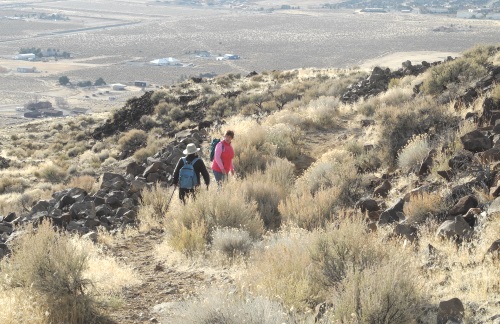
x=223 y=158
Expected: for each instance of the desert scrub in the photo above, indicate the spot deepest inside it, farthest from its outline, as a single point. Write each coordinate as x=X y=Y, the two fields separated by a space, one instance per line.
x=231 y=242
x=153 y=206
x=286 y=138
x=416 y=150
x=399 y=124
x=422 y=206
x=207 y=212
x=132 y=140
x=85 y=182
x=229 y=307
x=46 y=263
x=384 y=293
x=322 y=113
x=335 y=169
x=51 y=172
x=461 y=70
x=282 y=270
x=267 y=195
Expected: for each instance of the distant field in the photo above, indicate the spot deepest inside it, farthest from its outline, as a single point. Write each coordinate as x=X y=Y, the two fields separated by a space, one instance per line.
x=265 y=41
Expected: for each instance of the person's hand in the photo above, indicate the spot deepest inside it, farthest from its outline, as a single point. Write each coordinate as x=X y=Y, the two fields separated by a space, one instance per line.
x=224 y=171
x=232 y=172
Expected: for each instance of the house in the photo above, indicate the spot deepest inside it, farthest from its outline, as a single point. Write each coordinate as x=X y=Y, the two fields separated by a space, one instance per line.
x=373 y=10
x=32 y=114
x=141 y=84
x=51 y=112
x=24 y=69
x=167 y=61
x=25 y=57
x=231 y=57
x=118 y=86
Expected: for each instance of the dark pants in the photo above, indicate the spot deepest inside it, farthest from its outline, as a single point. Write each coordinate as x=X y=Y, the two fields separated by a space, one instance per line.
x=183 y=193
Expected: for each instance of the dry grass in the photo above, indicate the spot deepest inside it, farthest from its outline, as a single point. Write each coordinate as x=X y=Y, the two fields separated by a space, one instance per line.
x=86 y=182
x=154 y=205
x=282 y=271
x=46 y=263
x=192 y=224
x=218 y=305
x=415 y=151
x=423 y=206
x=463 y=271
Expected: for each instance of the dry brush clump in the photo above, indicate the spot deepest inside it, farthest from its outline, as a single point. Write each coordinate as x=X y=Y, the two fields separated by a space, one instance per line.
x=191 y=226
x=230 y=307
x=45 y=262
x=399 y=124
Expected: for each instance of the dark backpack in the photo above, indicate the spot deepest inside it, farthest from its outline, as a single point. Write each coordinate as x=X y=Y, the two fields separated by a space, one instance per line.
x=214 y=143
x=187 y=175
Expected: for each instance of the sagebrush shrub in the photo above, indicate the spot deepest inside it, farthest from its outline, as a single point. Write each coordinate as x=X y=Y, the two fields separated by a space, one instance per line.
x=232 y=242
x=415 y=151
x=85 y=182
x=378 y=294
x=46 y=262
x=208 y=212
x=132 y=140
x=227 y=307
x=399 y=124
x=52 y=173
x=282 y=270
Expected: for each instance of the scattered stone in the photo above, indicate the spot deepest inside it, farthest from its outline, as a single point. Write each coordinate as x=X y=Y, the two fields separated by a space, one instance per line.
x=450 y=311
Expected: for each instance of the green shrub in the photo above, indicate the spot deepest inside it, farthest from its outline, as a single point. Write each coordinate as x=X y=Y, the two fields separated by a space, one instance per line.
x=132 y=140
x=46 y=262
x=287 y=140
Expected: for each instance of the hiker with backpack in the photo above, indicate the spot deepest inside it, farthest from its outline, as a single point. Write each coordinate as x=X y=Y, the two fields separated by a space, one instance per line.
x=223 y=155
x=187 y=172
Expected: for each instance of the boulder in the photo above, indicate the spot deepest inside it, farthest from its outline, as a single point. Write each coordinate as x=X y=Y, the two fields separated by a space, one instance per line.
x=392 y=214
x=450 y=311
x=82 y=209
x=406 y=231
x=494 y=248
x=153 y=168
x=42 y=205
x=476 y=141
x=367 y=204
x=383 y=189
x=457 y=229
x=463 y=205
x=135 y=169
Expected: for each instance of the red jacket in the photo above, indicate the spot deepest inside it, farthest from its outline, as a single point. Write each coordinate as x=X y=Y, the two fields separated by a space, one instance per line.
x=223 y=157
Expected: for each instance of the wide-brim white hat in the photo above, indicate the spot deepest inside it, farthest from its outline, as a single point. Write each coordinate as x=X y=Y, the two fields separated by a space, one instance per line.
x=190 y=149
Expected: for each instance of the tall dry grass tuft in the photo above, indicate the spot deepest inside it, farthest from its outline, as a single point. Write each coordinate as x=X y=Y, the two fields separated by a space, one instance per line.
x=86 y=182
x=154 y=205
x=46 y=262
x=423 y=206
x=309 y=211
x=398 y=124
x=52 y=173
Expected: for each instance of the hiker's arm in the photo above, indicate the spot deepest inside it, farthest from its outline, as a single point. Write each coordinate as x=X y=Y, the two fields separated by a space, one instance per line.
x=204 y=173
x=217 y=159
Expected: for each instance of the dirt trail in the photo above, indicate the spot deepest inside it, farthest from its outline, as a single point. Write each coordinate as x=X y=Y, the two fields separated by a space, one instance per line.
x=160 y=284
